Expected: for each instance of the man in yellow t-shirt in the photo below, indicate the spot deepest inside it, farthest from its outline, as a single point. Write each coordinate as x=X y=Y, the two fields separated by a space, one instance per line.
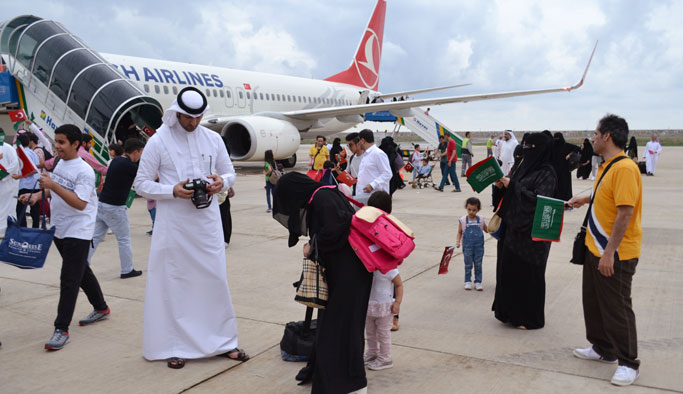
x=319 y=153
x=613 y=238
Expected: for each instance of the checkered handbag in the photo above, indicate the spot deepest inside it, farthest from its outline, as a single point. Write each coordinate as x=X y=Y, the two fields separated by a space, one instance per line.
x=311 y=289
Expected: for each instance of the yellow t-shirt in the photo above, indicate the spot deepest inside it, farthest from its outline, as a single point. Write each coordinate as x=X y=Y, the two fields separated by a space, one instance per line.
x=321 y=157
x=621 y=186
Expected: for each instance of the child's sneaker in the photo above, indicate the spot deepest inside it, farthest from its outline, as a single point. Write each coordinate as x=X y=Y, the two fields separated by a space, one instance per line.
x=468 y=285
x=377 y=365
x=369 y=358
x=478 y=286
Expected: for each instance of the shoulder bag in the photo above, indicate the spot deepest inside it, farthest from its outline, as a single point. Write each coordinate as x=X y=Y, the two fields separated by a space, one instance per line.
x=579 y=247
x=311 y=290
x=25 y=247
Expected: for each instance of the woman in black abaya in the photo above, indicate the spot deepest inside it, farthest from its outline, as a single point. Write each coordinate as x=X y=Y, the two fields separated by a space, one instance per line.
x=338 y=365
x=585 y=166
x=561 y=151
x=521 y=262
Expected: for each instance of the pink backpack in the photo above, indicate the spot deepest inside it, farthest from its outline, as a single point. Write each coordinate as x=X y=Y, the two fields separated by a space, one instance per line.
x=380 y=240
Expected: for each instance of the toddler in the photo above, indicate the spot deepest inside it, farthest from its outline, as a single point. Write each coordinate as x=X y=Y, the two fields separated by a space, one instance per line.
x=381 y=310
x=471 y=232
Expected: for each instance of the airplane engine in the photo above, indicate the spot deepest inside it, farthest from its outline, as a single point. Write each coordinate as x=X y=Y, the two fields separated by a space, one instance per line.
x=249 y=137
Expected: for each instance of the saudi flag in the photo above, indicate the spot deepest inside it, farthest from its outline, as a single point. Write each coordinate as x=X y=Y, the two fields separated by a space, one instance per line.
x=548 y=219
x=3 y=172
x=483 y=174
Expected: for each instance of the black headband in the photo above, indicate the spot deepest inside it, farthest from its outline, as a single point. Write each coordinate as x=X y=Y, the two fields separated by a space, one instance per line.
x=184 y=107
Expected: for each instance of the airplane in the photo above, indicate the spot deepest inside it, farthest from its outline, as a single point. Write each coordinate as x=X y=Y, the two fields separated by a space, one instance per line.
x=107 y=93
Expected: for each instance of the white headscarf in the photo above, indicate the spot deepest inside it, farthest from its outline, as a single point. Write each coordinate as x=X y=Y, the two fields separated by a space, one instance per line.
x=190 y=101
x=512 y=137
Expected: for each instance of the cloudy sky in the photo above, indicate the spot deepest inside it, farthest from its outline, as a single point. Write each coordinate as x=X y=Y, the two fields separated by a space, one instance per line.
x=497 y=46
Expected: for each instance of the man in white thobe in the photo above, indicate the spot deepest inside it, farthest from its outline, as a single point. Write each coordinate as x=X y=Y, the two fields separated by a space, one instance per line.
x=506 y=151
x=652 y=151
x=8 y=186
x=188 y=309
x=374 y=172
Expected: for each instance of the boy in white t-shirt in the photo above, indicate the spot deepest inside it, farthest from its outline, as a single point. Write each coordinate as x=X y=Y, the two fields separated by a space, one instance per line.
x=74 y=210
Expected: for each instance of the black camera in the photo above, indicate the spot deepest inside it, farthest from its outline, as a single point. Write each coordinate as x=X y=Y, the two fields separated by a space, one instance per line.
x=200 y=197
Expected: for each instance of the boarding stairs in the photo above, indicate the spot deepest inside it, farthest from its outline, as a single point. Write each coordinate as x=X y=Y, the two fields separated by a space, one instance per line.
x=60 y=80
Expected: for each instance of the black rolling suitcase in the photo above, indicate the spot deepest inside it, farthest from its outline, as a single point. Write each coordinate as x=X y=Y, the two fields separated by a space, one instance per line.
x=641 y=167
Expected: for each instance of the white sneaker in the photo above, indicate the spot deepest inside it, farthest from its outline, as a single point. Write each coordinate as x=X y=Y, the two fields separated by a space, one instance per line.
x=590 y=354
x=625 y=376
x=468 y=285
x=592 y=178
x=376 y=365
x=478 y=286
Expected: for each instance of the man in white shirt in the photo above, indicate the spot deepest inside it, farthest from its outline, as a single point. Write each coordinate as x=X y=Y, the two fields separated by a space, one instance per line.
x=353 y=142
x=374 y=172
x=652 y=151
x=8 y=185
x=506 y=151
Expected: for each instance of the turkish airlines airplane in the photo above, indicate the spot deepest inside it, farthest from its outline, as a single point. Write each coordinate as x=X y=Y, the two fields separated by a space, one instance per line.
x=255 y=111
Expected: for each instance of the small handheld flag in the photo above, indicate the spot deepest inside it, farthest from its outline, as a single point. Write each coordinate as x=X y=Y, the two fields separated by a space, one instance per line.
x=483 y=174
x=3 y=172
x=548 y=219
x=17 y=116
x=446 y=259
x=25 y=163
x=346 y=178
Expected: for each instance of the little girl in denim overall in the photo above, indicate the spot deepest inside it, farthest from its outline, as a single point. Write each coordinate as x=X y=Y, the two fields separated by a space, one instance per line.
x=471 y=231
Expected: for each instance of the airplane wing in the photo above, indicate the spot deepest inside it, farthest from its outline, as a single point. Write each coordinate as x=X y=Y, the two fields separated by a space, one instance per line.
x=331 y=112
x=411 y=92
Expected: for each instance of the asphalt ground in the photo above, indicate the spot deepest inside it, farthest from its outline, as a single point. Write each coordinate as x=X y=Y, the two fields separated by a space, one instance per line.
x=449 y=341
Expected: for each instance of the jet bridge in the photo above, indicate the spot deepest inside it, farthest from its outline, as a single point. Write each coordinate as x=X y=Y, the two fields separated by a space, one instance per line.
x=64 y=81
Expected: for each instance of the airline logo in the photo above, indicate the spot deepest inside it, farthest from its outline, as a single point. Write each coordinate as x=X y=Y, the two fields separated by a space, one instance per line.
x=368 y=69
x=162 y=75
x=246 y=86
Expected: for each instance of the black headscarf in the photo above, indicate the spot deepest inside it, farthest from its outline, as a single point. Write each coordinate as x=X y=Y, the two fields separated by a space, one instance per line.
x=537 y=153
x=336 y=149
x=632 y=148
x=292 y=193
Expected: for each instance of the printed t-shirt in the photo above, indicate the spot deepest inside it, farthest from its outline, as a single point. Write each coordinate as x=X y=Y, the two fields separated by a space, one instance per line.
x=76 y=176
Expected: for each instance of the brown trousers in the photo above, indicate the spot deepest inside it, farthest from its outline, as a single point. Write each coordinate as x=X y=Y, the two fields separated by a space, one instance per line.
x=607 y=310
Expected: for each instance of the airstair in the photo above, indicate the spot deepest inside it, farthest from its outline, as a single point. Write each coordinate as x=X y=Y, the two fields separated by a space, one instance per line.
x=63 y=81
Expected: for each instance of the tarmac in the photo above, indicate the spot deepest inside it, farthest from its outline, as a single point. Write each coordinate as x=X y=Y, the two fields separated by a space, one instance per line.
x=448 y=342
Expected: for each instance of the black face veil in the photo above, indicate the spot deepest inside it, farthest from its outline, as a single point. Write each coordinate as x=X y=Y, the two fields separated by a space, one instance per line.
x=292 y=193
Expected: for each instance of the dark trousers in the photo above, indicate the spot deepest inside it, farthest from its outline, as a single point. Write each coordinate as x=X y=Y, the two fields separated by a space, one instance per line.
x=75 y=273
x=450 y=170
x=226 y=219
x=34 y=210
x=442 y=165
x=607 y=311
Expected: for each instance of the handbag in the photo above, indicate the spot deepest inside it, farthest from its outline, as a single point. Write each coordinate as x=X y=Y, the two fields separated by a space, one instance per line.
x=494 y=223
x=579 y=247
x=25 y=247
x=311 y=289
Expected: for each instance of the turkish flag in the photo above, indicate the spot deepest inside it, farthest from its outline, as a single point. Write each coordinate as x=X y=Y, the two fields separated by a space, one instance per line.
x=26 y=164
x=346 y=178
x=247 y=86
x=446 y=259
x=18 y=115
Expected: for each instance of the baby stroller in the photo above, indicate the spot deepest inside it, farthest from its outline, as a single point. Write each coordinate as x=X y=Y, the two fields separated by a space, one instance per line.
x=425 y=180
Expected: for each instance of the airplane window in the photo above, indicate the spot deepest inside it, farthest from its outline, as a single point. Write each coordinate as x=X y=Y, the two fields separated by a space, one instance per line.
x=240 y=93
x=248 y=95
x=215 y=93
x=227 y=94
x=165 y=89
x=156 y=89
x=219 y=92
x=175 y=90
x=278 y=97
x=267 y=96
x=146 y=88
x=261 y=96
x=208 y=92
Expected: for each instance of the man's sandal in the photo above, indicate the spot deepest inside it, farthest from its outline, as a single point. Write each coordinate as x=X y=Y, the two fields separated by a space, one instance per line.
x=236 y=354
x=176 y=362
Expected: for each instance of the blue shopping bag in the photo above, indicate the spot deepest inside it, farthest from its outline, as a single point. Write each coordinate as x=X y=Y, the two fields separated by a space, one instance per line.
x=25 y=247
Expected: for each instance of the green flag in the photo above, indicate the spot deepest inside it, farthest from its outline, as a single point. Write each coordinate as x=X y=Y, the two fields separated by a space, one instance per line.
x=130 y=198
x=3 y=172
x=484 y=173
x=548 y=219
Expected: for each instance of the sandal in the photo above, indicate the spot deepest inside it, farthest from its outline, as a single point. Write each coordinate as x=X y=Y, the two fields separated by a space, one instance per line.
x=176 y=362
x=236 y=354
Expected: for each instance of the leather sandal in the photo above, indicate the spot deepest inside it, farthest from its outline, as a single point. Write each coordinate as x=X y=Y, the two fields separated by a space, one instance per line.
x=236 y=354
x=176 y=362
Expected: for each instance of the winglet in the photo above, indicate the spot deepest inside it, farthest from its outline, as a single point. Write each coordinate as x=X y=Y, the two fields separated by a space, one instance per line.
x=578 y=85
x=364 y=68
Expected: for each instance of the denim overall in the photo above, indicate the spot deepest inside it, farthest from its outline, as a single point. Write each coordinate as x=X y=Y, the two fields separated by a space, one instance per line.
x=473 y=249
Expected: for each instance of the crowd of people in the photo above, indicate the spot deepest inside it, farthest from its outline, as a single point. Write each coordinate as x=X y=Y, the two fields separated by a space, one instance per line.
x=184 y=165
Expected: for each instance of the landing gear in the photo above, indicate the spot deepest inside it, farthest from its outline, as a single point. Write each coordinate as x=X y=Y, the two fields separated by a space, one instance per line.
x=288 y=162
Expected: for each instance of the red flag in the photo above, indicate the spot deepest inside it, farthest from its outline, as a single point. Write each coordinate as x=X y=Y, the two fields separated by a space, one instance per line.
x=148 y=130
x=446 y=259
x=247 y=86
x=316 y=175
x=18 y=115
x=346 y=178
x=26 y=164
